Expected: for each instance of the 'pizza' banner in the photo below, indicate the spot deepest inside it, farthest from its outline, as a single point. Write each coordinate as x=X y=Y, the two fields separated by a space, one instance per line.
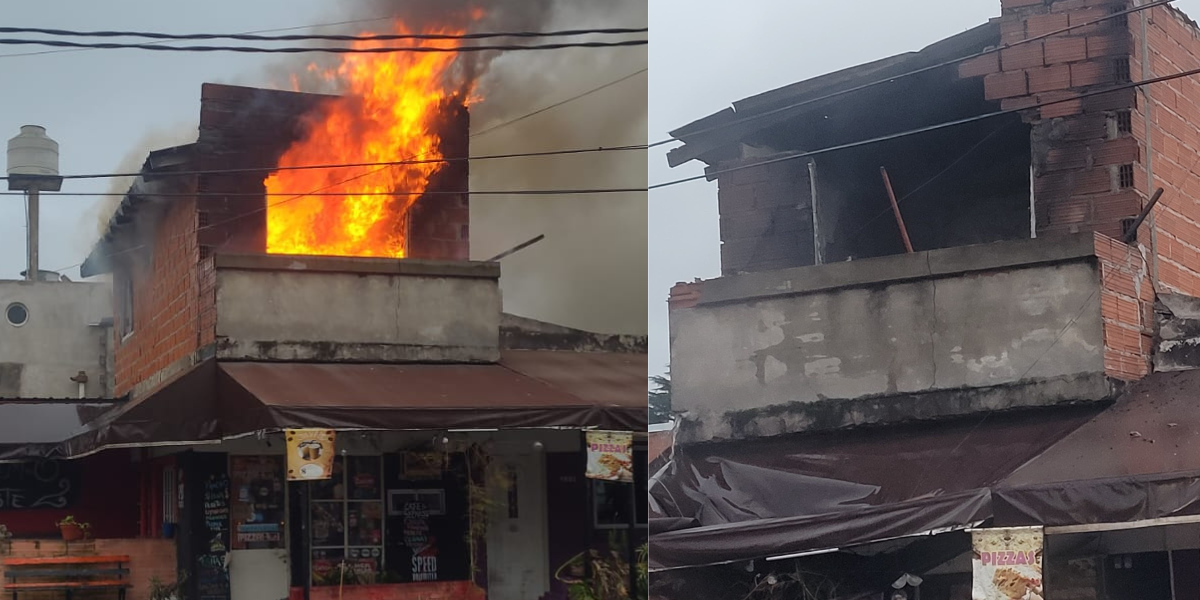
x=309 y=454
x=1007 y=563
x=610 y=455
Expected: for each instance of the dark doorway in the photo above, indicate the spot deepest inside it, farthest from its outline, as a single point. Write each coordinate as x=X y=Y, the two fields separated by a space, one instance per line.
x=1144 y=576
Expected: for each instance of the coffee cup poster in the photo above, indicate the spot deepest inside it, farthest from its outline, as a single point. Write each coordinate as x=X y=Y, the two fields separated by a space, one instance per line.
x=1007 y=564
x=309 y=454
x=610 y=455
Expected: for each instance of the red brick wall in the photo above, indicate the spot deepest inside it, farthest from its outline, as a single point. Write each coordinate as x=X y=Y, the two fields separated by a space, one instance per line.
x=1174 y=142
x=1078 y=149
x=166 y=292
x=1126 y=307
x=147 y=559
x=766 y=216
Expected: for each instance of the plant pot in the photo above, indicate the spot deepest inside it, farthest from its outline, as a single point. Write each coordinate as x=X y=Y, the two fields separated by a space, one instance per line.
x=71 y=532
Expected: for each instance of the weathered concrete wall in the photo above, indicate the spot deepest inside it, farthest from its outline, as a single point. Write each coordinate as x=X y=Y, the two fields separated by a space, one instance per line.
x=924 y=335
x=354 y=309
x=61 y=337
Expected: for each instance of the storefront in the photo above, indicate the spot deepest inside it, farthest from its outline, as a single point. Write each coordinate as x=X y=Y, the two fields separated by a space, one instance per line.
x=403 y=514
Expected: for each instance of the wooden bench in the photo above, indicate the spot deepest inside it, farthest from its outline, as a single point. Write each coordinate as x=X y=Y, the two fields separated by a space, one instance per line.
x=66 y=574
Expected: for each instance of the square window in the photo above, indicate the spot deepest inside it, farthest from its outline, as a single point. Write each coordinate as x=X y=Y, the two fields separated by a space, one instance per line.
x=1124 y=122
x=1125 y=177
x=1121 y=70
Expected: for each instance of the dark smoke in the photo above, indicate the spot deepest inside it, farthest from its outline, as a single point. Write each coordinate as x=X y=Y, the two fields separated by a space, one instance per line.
x=590 y=271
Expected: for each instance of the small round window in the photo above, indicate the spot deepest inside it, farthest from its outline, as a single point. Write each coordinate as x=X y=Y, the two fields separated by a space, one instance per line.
x=17 y=314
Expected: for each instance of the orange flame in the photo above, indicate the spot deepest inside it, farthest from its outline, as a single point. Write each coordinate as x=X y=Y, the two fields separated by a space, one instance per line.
x=387 y=113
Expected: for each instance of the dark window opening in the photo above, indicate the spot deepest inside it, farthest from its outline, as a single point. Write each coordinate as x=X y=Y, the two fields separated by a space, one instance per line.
x=202 y=219
x=1121 y=70
x=1127 y=229
x=1124 y=122
x=1118 y=22
x=205 y=252
x=1125 y=177
x=126 y=305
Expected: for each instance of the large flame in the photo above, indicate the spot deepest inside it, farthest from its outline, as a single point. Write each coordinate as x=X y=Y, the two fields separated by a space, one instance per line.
x=388 y=112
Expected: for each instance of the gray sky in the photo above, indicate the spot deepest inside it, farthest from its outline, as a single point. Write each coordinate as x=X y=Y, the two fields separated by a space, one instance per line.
x=706 y=55
x=108 y=107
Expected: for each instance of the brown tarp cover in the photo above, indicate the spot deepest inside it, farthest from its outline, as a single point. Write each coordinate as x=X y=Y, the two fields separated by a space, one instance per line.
x=528 y=389
x=1133 y=460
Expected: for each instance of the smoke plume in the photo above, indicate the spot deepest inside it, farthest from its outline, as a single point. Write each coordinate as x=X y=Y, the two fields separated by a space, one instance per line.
x=590 y=270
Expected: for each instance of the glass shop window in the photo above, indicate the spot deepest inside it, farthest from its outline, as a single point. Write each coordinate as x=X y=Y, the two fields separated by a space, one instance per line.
x=611 y=501
x=346 y=523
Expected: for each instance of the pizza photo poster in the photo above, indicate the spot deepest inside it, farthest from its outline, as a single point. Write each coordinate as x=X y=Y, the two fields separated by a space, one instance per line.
x=1007 y=563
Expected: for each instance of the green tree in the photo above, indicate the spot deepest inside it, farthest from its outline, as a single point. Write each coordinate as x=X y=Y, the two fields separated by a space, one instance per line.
x=660 y=399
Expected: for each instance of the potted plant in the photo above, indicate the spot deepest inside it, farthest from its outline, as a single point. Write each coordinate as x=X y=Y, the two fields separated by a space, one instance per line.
x=167 y=591
x=73 y=530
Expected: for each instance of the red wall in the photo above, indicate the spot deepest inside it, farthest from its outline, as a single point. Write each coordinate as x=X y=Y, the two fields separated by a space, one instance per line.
x=108 y=499
x=166 y=298
x=1173 y=144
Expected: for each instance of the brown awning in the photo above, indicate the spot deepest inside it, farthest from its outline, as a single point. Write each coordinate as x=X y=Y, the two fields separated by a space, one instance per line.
x=429 y=396
x=1130 y=461
x=533 y=389
x=728 y=501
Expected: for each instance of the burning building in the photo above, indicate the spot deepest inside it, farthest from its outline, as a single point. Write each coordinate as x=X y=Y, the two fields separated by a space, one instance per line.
x=253 y=294
x=992 y=334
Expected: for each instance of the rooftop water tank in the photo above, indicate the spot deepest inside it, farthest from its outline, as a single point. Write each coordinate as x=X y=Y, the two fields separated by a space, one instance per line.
x=33 y=160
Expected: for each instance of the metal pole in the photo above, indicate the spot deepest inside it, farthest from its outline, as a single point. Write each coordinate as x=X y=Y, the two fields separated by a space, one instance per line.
x=1133 y=227
x=816 y=219
x=31 y=272
x=632 y=545
x=896 y=210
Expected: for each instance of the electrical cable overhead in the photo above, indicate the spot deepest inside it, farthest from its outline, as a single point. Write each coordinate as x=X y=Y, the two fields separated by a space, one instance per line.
x=893 y=78
x=558 y=192
x=269 y=204
x=329 y=50
x=928 y=128
x=254 y=37
x=362 y=164
x=275 y=30
x=562 y=102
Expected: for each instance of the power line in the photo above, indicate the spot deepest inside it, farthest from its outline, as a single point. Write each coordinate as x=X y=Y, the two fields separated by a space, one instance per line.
x=928 y=128
x=891 y=79
x=954 y=163
x=562 y=102
x=558 y=192
x=331 y=50
x=310 y=37
x=268 y=205
x=278 y=29
x=361 y=164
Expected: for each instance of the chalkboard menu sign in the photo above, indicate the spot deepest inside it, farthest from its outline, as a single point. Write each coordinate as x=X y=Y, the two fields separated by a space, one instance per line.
x=426 y=520
x=38 y=484
x=257 y=501
x=212 y=575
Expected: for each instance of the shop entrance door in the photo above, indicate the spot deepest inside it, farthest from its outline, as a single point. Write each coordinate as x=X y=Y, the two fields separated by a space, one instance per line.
x=517 y=550
x=258 y=575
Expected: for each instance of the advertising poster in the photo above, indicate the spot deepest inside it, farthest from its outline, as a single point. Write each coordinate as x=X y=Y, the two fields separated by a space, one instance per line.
x=610 y=455
x=1007 y=563
x=309 y=454
x=257 y=502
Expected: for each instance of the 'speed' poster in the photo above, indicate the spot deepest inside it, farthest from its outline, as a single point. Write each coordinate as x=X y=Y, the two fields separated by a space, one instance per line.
x=1007 y=563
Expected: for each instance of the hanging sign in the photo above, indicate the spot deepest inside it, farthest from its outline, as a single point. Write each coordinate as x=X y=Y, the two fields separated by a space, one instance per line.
x=610 y=455
x=309 y=454
x=1007 y=563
